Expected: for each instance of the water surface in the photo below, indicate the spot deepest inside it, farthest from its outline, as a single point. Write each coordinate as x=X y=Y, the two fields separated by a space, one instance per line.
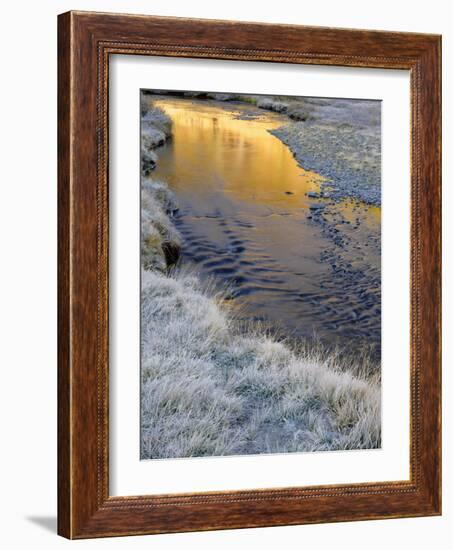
x=245 y=219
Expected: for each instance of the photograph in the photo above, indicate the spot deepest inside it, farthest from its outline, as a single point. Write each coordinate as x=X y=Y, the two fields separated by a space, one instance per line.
x=260 y=254
x=225 y=300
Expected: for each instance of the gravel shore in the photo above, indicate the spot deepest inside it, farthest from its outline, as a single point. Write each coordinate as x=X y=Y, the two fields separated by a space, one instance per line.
x=341 y=140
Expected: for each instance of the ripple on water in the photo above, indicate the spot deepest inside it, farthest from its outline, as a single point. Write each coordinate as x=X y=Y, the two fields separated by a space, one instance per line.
x=245 y=219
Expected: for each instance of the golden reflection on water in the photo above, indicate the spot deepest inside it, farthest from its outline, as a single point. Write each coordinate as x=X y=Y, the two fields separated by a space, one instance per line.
x=238 y=154
x=244 y=219
x=368 y=214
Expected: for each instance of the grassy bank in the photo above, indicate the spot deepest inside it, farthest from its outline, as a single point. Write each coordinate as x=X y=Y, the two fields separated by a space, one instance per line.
x=210 y=386
x=209 y=390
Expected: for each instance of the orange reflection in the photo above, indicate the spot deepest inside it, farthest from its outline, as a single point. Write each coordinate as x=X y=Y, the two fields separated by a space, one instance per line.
x=238 y=154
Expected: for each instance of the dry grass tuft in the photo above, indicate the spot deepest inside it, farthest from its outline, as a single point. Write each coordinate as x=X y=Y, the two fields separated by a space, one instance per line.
x=158 y=234
x=156 y=128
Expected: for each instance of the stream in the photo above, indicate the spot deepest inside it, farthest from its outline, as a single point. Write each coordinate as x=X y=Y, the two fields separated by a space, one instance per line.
x=246 y=219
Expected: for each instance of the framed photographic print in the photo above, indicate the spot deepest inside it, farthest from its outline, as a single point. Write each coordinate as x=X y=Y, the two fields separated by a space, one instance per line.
x=249 y=275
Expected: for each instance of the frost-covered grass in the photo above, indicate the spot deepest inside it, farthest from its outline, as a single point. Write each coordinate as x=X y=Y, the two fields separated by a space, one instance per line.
x=148 y=160
x=210 y=386
x=271 y=104
x=222 y=96
x=160 y=241
x=155 y=117
x=155 y=130
x=297 y=109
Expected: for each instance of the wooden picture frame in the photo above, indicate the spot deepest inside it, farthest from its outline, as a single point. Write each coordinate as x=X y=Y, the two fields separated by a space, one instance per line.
x=85 y=42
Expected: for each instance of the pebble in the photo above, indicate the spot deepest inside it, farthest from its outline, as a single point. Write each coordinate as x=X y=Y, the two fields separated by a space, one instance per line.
x=317 y=207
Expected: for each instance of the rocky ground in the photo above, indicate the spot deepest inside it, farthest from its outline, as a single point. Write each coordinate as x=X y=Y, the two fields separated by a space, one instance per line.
x=341 y=140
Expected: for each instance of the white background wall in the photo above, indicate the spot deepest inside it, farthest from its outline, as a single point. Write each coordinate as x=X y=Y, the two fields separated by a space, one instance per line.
x=28 y=125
